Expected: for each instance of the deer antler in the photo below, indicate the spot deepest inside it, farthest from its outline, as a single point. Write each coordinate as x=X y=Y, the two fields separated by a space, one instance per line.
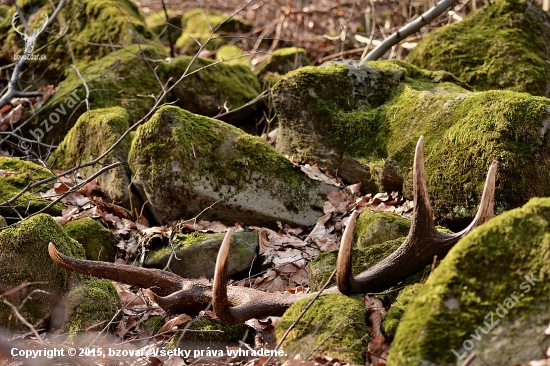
x=421 y=245
x=179 y=295
x=236 y=304
x=241 y=305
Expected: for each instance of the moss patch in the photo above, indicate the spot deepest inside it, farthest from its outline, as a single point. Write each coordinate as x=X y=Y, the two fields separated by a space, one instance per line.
x=391 y=320
x=502 y=46
x=377 y=227
x=232 y=55
x=483 y=270
x=196 y=256
x=282 y=61
x=99 y=242
x=214 y=88
x=339 y=334
x=157 y=21
x=24 y=258
x=91 y=306
x=18 y=174
x=199 y=24
x=94 y=133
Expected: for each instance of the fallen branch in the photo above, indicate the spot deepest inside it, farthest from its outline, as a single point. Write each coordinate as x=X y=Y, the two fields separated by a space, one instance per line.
x=409 y=29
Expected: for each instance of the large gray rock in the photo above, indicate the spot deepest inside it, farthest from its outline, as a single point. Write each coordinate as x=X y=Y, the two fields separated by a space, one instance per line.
x=197 y=253
x=183 y=163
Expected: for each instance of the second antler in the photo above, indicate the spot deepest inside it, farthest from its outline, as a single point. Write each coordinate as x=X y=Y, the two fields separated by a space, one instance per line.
x=234 y=304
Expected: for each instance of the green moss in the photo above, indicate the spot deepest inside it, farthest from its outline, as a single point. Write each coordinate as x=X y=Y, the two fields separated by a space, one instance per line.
x=339 y=334
x=24 y=258
x=99 y=242
x=391 y=320
x=199 y=24
x=463 y=133
x=282 y=61
x=232 y=55
x=157 y=21
x=92 y=305
x=154 y=323
x=482 y=270
x=216 y=87
x=104 y=127
x=323 y=265
x=375 y=228
x=197 y=253
x=209 y=153
x=502 y=46
x=25 y=172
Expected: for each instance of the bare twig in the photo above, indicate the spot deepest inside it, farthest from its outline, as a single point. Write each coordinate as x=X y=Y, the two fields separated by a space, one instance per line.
x=409 y=29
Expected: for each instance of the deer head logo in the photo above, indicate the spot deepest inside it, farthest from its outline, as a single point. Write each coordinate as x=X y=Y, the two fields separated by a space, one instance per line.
x=30 y=39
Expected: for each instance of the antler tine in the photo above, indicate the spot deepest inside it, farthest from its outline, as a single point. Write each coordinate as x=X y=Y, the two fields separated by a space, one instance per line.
x=220 y=302
x=421 y=245
x=161 y=282
x=42 y=27
x=13 y=20
x=346 y=282
x=241 y=303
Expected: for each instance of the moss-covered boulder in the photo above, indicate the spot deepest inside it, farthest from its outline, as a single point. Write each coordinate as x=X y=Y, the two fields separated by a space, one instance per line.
x=197 y=253
x=282 y=61
x=90 y=27
x=502 y=46
x=91 y=306
x=211 y=161
x=213 y=89
x=232 y=55
x=15 y=175
x=325 y=327
x=99 y=242
x=359 y=118
x=92 y=135
x=489 y=296
x=157 y=22
x=391 y=320
x=377 y=227
x=123 y=78
x=24 y=258
x=198 y=25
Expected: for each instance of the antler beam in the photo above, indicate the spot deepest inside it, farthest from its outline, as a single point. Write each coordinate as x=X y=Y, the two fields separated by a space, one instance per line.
x=421 y=245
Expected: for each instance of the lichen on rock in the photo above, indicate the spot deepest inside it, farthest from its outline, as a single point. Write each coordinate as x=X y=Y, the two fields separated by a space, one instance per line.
x=489 y=296
x=91 y=306
x=502 y=46
x=99 y=243
x=24 y=258
x=212 y=161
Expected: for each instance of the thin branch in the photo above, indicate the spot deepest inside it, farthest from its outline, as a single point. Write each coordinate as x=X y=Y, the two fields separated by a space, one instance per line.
x=409 y=29
x=85 y=86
